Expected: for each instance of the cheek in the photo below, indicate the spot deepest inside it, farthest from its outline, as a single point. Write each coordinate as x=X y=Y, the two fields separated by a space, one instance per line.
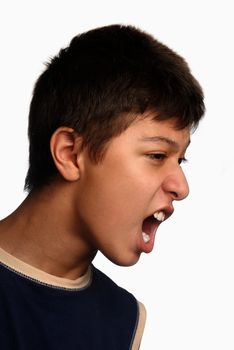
x=110 y=202
x=123 y=200
x=118 y=195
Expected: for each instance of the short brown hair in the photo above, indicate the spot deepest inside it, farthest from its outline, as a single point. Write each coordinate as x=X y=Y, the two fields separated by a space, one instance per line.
x=95 y=83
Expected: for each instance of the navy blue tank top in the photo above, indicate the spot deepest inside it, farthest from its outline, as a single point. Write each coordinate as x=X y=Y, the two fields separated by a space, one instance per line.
x=33 y=315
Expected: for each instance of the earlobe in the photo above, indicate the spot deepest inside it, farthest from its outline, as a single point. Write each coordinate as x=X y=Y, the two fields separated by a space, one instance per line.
x=64 y=147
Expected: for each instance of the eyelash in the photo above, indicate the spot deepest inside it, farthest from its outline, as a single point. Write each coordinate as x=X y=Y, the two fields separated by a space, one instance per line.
x=161 y=156
x=182 y=160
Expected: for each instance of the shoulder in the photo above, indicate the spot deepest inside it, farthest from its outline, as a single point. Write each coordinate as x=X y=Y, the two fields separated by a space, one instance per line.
x=122 y=305
x=109 y=292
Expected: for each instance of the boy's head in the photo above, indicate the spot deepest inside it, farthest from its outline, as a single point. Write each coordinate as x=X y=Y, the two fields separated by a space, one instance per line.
x=99 y=85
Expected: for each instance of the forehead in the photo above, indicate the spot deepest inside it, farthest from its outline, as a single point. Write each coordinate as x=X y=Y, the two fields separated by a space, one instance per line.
x=148 y=130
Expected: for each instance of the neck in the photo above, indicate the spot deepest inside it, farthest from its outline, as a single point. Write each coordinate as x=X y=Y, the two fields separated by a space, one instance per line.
x=43 y=232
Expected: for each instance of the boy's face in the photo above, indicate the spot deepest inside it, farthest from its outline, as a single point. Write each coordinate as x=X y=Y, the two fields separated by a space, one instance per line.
x=139 y=176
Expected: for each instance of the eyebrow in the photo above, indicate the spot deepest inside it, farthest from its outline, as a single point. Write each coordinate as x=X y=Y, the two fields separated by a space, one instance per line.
x=162 y=139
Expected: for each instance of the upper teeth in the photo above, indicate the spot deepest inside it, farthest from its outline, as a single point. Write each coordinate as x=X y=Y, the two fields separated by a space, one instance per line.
x=159 y=215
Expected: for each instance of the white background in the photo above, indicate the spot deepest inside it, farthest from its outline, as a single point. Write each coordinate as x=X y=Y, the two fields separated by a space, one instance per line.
x=186 y=284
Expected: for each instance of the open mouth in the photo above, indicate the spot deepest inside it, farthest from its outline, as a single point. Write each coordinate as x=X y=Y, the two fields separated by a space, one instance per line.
x=150 y=225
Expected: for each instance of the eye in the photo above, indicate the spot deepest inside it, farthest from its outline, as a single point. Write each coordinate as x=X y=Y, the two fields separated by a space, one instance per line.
x=157 y=156
x=182 y=160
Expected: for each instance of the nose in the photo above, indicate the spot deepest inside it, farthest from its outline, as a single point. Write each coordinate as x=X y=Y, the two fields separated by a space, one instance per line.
x=176 y=184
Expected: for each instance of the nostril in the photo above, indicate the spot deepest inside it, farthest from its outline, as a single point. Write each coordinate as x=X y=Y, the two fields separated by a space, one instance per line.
x=174 y=194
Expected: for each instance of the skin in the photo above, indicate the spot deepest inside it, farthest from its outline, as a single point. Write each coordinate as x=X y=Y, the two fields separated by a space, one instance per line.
x=93 y=207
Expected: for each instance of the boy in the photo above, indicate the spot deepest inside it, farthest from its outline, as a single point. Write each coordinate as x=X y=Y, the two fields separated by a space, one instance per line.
x=109 y=124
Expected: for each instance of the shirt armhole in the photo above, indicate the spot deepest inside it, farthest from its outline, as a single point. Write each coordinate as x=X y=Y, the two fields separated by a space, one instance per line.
x=140 y=327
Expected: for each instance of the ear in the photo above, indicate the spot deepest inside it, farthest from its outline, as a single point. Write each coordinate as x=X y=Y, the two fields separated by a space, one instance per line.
x=65 y=147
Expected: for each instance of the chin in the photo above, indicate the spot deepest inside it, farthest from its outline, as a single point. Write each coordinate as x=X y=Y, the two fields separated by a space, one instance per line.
x=127 y=260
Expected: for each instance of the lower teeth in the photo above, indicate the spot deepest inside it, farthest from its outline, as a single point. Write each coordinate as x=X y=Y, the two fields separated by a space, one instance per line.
x=146 y=237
